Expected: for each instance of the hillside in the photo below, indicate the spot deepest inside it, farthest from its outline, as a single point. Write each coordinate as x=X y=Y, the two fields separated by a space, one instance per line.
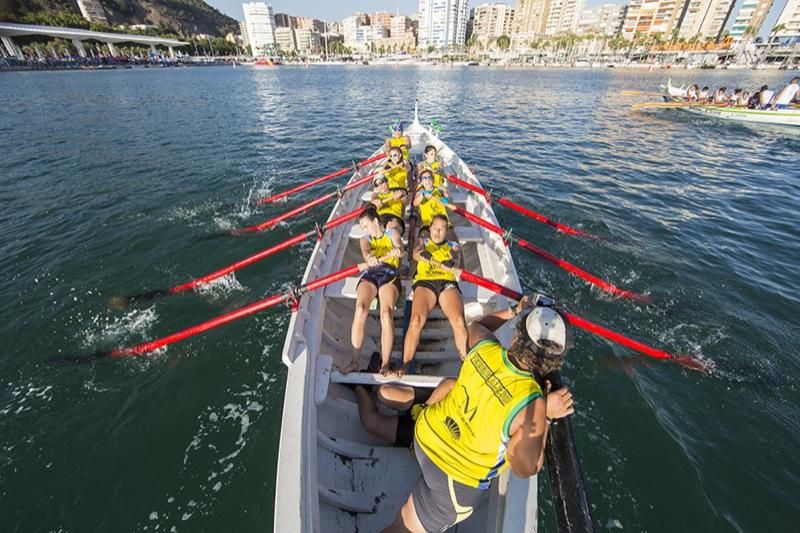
x=187 y=17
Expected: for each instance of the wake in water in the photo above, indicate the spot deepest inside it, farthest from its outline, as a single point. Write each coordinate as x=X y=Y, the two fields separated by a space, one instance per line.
x=134 y=325
x=221 y=288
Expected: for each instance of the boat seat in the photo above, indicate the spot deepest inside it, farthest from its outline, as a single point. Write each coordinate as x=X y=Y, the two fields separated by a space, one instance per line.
x=465 y=233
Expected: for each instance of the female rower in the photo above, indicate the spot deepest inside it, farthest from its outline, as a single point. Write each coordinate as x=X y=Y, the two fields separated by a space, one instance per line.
x=702 y=96
x=720 y=97
x=432 y=163
x=397 y=170
x=390 y=204
x=381 y=249
x=691 y=93
x=435 y=282
x=399 y=140
x=429 y=201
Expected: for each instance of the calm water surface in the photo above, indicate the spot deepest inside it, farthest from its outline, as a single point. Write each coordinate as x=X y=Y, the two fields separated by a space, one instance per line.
x=109 y=179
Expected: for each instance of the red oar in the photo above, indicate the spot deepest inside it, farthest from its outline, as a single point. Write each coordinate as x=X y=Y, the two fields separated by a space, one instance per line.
x=520 y=209
x=302 y=208
x=221 y=320
x=589 y=326
x=288 y=243
x=323 y=179
x=561 y=263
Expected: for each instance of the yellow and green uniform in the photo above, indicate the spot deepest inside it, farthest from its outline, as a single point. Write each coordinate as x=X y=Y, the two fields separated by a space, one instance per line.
x=390 y=205
x=436 y=169
x=431 y=205
x=439 y=252
x=396 y=176
x=466 y=434
x=400 y=142
x=380 y=246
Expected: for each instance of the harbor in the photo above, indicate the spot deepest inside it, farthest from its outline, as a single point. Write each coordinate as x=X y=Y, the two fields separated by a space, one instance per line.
x=694 y=213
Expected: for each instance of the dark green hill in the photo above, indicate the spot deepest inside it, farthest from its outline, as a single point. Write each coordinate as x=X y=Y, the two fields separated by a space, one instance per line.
x=187 y=17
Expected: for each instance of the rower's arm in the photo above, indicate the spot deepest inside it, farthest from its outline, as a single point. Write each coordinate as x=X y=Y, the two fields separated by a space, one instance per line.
x=484 y=327
x=418 y=199
x=526 y=447
x=408 y=141
x=397 y=242
x=418 y=246
x=365 y=253
x=441 y=390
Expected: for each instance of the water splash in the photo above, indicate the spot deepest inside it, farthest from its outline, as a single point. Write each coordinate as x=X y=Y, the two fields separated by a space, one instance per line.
x=221 y=288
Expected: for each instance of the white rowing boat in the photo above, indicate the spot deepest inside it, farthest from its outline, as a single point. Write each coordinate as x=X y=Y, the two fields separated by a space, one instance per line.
x=332 y=475
x=782 y=117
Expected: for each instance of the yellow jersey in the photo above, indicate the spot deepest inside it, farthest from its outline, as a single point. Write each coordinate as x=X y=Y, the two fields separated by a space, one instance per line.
x=436 y=169
x=431 y=205
x=466 y=434
x=440 y=252
x=380 y=246
x=400 y=142
x=396 y=176
x=390 y=205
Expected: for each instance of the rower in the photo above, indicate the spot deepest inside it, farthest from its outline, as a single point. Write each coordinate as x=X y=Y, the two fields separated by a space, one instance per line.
x=720 y=97
x=755 y=100
x=786 y=95
x=397 y=170
x=744 y=98
x=702 y=96
x=399 y=140
x=432 y=163
x=430 y=201
x=381 y=249
x=765 y=97
x=390 y=204
x=691 y=93
x=493 y=416
x=435 y=282
x=735 y=97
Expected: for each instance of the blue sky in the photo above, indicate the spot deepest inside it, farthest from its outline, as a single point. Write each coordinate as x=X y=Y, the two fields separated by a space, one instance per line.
x=339 y=9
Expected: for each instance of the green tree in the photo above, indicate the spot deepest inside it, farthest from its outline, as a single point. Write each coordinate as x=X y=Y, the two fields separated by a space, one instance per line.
x=503 y=42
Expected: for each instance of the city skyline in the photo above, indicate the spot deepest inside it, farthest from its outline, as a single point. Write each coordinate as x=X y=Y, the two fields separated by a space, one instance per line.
x=337 y=11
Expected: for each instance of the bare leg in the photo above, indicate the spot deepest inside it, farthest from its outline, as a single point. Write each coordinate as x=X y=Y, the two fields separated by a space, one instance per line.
x=388 y=297
x=382 y=426
x=400 y=397
x=365 y=293
x=453 y=308
x=424 y=302
x=406 y=520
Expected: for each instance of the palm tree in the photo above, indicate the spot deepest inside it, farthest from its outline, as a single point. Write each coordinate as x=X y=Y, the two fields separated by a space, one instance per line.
x=503 y=42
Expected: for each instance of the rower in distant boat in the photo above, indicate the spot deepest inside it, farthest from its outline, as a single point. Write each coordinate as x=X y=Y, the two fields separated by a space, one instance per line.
x=735 y=97
x=399 y=140
x=390 y=204
x=762 y=98
x=743 y=99
x=692 y=92
x=397 y=170
x=786 y=95
x=720 y=97
x=432 y=163
x=381 y=249
x=435 y=282
x=493 y=416
x=702 y=96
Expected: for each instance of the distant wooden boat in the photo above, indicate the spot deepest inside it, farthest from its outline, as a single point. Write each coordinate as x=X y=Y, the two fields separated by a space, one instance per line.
x=332 y=474
x=781 y=117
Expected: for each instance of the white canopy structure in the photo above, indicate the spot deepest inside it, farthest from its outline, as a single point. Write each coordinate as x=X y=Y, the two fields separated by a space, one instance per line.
x=77 y=36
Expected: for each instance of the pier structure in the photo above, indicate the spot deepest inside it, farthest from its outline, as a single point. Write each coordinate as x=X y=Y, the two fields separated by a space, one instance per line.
x=8 y=30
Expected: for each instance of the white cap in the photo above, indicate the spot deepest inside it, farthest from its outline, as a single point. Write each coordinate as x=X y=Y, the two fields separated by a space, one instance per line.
x=544 y=324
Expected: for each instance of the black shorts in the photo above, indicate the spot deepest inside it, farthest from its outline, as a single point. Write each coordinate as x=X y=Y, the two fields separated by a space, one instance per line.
x=438 y=286
x=440 y=501
x=380 y=275
x=388 y=217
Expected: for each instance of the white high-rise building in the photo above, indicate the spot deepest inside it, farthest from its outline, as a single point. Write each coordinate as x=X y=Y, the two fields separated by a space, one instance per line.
x=350 y=27
x=260 y=24
x=605 y=19
x=562 y=16
x=92 y=11
x=650 y=17
x=490 y=21
x=790 y=19
x=284 y=38
x=705 y=19
x=750 y=18
x=442 y=23
x=243 y=32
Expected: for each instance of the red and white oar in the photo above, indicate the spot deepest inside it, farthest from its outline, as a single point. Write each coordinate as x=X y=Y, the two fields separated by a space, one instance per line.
x=591 y=327
x=323 y=179
x=506 y=202
x=559 y=262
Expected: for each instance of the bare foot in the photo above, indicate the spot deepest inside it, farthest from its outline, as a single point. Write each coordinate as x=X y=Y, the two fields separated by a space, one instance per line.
x=385 y=370
x=349 y=368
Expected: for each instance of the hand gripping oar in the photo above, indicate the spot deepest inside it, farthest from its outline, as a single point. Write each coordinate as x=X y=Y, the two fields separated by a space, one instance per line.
x=561 y=263
x=520 y=209
x=591 y=327
x=302 y=208
x=323 y=179
x=291 y=295
x=288 y=243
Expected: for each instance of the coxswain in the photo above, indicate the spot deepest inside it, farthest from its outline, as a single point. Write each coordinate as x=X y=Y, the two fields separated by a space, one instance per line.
x=431 y=162
x=381 y=249
x=786 y=95
x=435 y=283
x=765 y=97
x=390 y=204
x=494 y=415
x=399 y=140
